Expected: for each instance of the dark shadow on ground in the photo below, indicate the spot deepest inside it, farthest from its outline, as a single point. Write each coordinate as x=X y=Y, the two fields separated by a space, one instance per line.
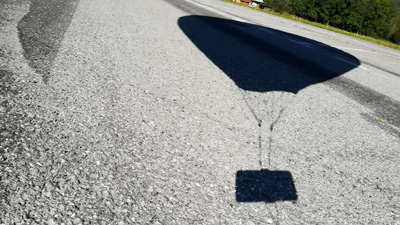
x=265 y=186
x=262 y=59
x=42 y=30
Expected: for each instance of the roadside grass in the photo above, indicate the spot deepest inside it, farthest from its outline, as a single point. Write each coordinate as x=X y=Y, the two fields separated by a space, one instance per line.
x=326 y=27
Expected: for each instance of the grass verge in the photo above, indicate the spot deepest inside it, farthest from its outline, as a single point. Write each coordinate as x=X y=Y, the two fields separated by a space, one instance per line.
x=326 y=27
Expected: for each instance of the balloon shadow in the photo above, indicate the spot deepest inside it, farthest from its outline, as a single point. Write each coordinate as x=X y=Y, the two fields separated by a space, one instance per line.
x=262 y=59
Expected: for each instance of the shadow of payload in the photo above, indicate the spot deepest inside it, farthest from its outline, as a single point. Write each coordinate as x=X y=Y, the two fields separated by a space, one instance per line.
x=262 y=59
x=265 y=186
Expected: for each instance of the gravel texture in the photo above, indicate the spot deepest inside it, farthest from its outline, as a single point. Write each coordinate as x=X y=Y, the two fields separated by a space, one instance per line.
x=130 y=123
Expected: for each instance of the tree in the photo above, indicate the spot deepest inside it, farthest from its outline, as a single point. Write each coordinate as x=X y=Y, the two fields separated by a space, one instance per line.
x=376 y=18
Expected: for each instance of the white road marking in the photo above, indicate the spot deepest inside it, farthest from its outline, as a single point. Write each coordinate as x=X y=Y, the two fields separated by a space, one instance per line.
x=355 y=40
x=305 y=44
x=362 y=67
x=293 y=30
x=218 y=12
x=354 y=49
x=266 y=30
x=362 y=50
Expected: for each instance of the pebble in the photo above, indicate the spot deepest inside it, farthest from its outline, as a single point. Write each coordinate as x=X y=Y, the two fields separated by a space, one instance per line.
x=51 y=222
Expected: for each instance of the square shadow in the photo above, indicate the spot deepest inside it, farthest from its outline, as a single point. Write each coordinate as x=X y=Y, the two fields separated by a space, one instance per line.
x=265 y=186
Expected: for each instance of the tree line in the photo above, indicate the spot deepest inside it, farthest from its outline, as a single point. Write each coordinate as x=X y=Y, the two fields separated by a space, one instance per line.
x=375 y=18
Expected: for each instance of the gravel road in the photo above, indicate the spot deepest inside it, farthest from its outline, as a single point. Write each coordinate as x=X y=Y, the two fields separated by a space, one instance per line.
x=112 y=113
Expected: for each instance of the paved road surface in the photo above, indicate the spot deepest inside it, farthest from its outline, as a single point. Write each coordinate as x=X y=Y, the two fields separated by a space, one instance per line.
x=192 y=112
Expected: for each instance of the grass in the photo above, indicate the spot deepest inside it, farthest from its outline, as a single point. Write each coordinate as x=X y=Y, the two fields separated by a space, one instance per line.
x=326 y=27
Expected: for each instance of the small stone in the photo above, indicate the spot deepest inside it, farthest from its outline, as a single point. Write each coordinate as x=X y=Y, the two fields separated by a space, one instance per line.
x=94 y=176
x=250 y=223
x=25 y=196
x=31 y=215
x=77 y=221
x=47 y=194
x=51 y=222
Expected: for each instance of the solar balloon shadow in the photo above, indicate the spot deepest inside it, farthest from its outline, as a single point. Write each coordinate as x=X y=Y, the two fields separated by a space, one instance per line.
x=262 y=59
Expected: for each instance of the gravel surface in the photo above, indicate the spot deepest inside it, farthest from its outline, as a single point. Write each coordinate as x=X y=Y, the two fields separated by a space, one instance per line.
x=126 y=121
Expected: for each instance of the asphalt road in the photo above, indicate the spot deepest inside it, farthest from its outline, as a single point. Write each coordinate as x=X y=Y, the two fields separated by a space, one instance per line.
x=192 y=112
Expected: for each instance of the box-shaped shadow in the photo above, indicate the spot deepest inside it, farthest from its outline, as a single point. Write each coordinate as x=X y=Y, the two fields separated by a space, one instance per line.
x=265 y=186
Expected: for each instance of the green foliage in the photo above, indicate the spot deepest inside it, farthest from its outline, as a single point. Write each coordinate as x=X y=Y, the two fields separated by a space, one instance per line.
x=394 y=33
x=277 y=5
x=375 y=18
